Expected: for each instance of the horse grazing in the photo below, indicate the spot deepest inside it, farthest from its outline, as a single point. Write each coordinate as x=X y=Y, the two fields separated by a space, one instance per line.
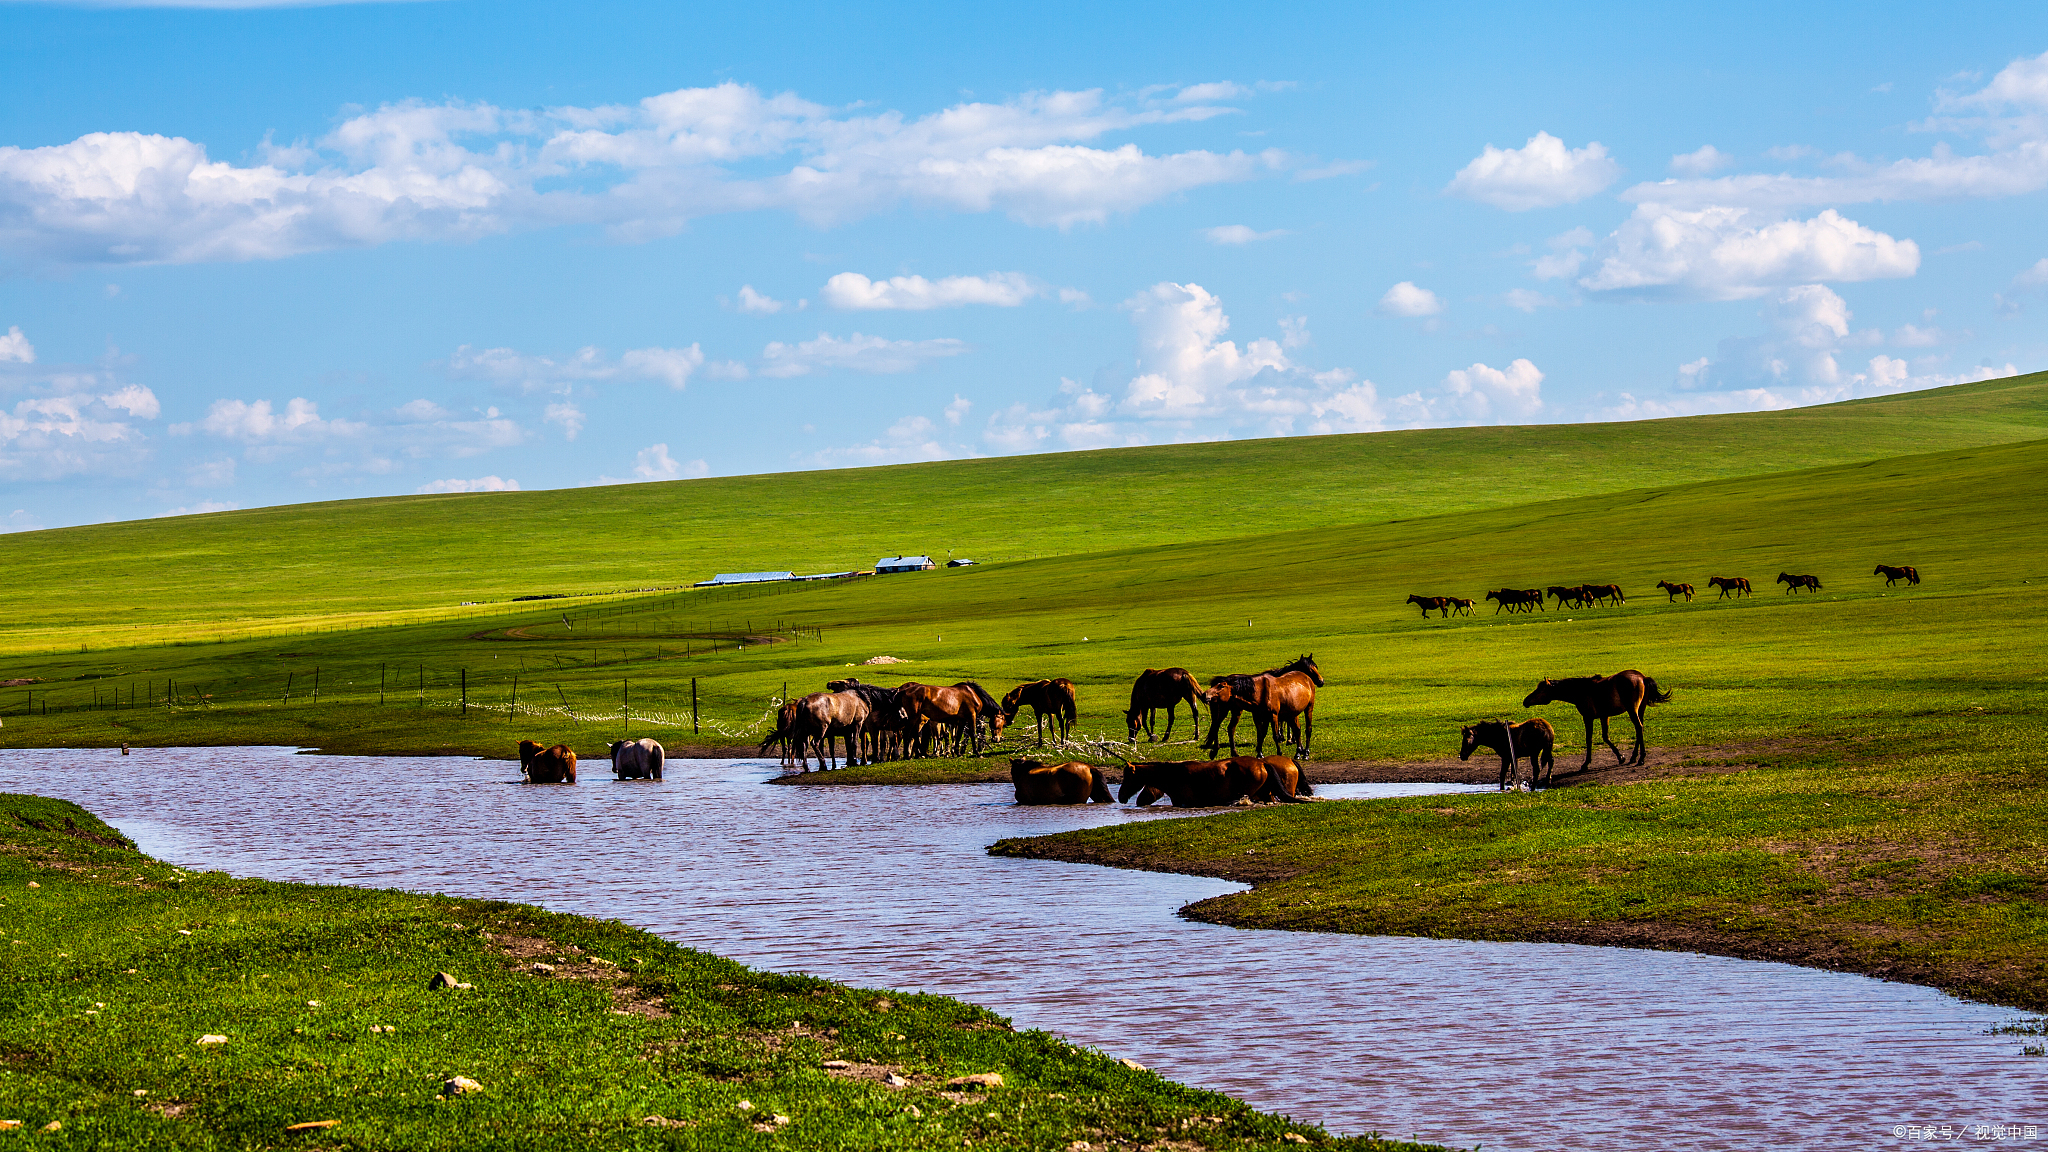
x=1729 y=585
x=822 y=717
x=1193 y=783
x=955 y=712
x=1430 y=604
x=1795 y=583
x=556 y=765
x=1070 y=783
x=1533 y=740
x=1597 y=698
x=637 y=759
x=1909 y=574
x=1282 y=698
x=889 y=725
x=1158 y=688
x=1054 y=698
x=1674 y=591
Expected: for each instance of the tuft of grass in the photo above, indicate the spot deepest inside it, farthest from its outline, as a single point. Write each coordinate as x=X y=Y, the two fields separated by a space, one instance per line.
x=120 y=969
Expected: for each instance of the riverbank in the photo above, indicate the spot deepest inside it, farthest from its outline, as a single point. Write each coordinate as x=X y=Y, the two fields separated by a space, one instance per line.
x=151 y=1007
x=1912 y=850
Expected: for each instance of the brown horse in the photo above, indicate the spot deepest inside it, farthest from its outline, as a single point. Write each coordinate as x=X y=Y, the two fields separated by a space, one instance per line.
x=1574 y=595
x=1193 y=783
x=1729 y=585
x=1795 y=583
x=823 y=717
x=1601 y=593
x=1462 y=605
x=556 y=765
x=1674 y=591
x=1282 y=698
x=955 y=711
x=1908 y=573
x=1431 y=604
x=1054 y=698
x=1158 y=688
x=1069 y=783
x=1517 y=599
x=1533 y=740
x=1597 y=698
x=889 y=726
x=1285 y=782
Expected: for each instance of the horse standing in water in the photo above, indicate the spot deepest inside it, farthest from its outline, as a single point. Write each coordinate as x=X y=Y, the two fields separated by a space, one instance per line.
x=1597 y=698
x=1909 y=574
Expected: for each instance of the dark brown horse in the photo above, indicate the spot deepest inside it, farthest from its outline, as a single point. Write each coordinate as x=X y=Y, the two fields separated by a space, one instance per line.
x=1909 y=574
x=1037 y=782
x=1531 y=740
x=1597 y=698
x=1158 y=688
x=1193 y=783
x=1516 y=599
x=1054 y=698
x=1285 y=782
x=1282 y=698
x=556 y=765
x=1729 y=585
x=1430 y=604
x=1574 y=595
x=1795 y=583
x=1462 y=605
x=1674 y=591
x=1601 y=593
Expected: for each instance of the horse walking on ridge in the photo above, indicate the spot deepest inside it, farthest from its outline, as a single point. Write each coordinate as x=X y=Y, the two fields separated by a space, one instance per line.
x=1054 y=698
x=1574 y=595
x=1674 y=591
x=1795 y=583
x=1908 y=573
x=1431 y=603
x=1729 y=585
x=1460 y=604
x=1531 y=740
x=1158 y=688
x=1597 y=698
x=1601 y=593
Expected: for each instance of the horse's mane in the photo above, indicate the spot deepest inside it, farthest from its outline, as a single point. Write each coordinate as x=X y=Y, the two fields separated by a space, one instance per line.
x=1593 y=679
x=987 y=701
x=1298 y=664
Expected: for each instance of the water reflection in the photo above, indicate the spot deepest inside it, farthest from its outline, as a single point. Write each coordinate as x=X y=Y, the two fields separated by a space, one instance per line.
x=1518 y=1046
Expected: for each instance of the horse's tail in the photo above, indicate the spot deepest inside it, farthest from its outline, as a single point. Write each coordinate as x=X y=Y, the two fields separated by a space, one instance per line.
x=1098 y=785
x=1651 y=693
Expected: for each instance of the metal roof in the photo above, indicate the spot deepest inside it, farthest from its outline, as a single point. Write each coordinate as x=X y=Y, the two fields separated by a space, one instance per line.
x=748 y=577
x=902 y=561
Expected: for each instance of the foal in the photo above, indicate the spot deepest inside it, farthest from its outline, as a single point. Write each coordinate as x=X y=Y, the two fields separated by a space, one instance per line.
x=1533 y=739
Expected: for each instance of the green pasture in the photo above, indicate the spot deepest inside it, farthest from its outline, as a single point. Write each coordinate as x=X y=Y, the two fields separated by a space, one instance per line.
x=319 y=1000
x=323 y=568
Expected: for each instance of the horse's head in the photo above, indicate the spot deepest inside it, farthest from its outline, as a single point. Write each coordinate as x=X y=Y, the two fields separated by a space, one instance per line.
x=1136 y=777
x=1131 y=724
x=1018 y=764
x=840 y=685
x=1013 y=701
x=1468 y=742
x=1877 y=571
x=1543 y=694
x=616 y=745
x=1784 y=578
x=1098 y=785
x=527 y=751
x=1307 y=666
x=1417 y=600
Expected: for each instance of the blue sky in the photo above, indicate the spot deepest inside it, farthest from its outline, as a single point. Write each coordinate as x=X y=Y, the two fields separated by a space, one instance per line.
x=255 y=254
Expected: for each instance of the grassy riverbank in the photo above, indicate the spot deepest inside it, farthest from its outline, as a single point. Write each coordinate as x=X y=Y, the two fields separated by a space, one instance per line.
x=120 y=968
x=1912 y=848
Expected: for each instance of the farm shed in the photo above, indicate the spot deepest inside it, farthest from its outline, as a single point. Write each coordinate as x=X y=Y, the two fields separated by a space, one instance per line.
x=888 y=564
x=961 y=563
x=744 y=578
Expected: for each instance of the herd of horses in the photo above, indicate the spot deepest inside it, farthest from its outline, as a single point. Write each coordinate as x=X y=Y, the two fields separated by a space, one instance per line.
x=870 y=723
x=1594 y=595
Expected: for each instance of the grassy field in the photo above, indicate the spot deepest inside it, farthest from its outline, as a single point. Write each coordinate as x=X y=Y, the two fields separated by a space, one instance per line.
x=345 y=565
x=121 y=967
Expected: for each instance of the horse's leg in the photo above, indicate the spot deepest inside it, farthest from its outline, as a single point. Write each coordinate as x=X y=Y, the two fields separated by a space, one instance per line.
x=1607 y=740
x=1307 y=722
x=1642 y=751
x=1589 y=742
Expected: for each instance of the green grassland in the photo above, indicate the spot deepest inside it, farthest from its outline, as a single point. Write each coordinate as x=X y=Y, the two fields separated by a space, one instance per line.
x=118 y=965
x=350 y=564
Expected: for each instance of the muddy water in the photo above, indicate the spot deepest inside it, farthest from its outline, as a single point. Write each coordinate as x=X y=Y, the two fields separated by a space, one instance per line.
x=1518 y=1046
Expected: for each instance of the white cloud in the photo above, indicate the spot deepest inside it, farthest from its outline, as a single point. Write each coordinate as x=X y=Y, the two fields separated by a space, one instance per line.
x=1883 y=375
x=1702 y=161
x=755 y=304
x=458 y=171
x=958 y=410
x=211 y=473
x=1405 y=299
x=568 y=415
x=480 y=484
x=1240 y=234
x=1185 y=368
x=506 y=366
x=1914 y=336
x=1721 y=253
x=419 y=429
x=2034 y=277
x=1075 y=298
x=1524 y=300
x=654 y=463
x=855 y=292
x=871 y=354
x=21 y=520
x=1541 y=174
x=199 y=509
x=912 y=439
x=15 y=348
x=1495 y=395
x=258 y=422
x=1294 y=332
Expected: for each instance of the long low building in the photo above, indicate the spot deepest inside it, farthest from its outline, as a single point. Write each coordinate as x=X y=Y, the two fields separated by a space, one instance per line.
x=888 y=564
x=744 y=578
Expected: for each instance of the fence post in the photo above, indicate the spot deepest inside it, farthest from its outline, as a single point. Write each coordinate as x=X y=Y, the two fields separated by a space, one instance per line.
x=626 y=704
x=693 y=705
x=513 y=711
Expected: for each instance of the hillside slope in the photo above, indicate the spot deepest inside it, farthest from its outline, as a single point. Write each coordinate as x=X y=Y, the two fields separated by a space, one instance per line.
x=417 y=552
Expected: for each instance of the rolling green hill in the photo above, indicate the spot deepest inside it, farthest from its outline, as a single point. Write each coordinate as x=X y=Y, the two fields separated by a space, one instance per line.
x=320 y=565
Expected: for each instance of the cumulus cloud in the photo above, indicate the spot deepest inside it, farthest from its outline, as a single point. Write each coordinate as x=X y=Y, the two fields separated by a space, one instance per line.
x=480 y=484
x=1406 y=300
x=2034 y=277
x=566 y=414
x=69 y=426
x=870 y=354
x=419 y=429
x=1541 y=174
x=1722 y=253
x=1883 y=375
x=15 y=348
x=457 y=171
x=1702 y=161
x=913 y=439
x=257 y=422
x=855 y=292
x=529 y=372
x=1240 y=234
x=755 y=304
x=1493 y=395
x=1185 y=367
x=654 y=463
